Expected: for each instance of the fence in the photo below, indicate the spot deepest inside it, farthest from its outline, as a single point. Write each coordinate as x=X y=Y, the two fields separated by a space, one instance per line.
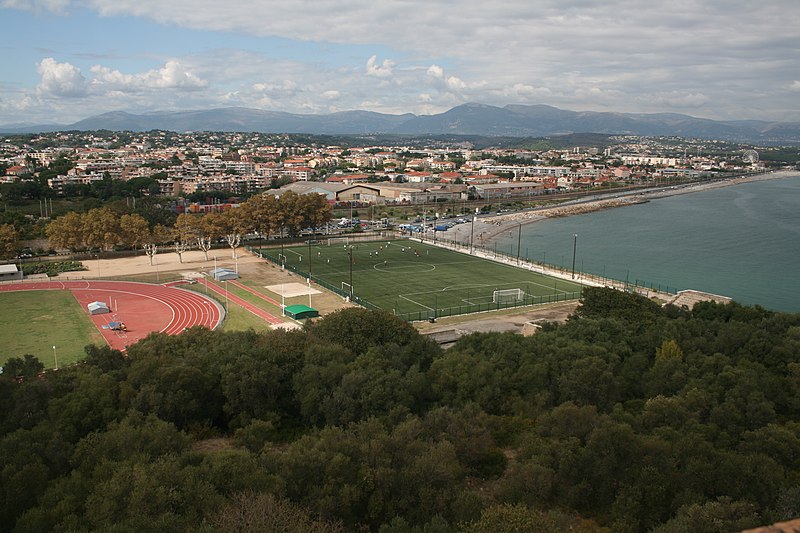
x=550 y=269
x=430 y=314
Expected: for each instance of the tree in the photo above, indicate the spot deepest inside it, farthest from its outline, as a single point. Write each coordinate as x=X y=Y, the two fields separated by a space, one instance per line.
x=291 y=212
x=134 y=230
x=101 y=228
x=9 y=240
x=261 y=211
x=252 y=512
x=159 y=235
x=184 y=234
x=208 y=229
x=27 y=367
x=66 y=232
x=520 y=519
x=233 y=225
x=316 y=210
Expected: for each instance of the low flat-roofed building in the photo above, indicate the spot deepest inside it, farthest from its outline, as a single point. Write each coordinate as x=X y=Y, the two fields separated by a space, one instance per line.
x=514 y=189
x=9 y=272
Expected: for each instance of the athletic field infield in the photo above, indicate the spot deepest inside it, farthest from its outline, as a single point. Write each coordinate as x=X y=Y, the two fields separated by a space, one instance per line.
x=418 y=281
x=32 y=322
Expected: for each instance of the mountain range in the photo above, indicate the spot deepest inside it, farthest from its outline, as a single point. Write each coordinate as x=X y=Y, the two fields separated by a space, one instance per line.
x=466 y=119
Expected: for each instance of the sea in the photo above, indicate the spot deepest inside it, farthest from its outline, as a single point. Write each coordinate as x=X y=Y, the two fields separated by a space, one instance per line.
x=741 y=241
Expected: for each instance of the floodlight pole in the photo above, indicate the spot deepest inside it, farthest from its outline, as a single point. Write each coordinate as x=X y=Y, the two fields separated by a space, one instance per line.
x=55 y=356
x=350 y=254
x=310 y=273
x=519 y=242
x=574 y=248
x=472 y=236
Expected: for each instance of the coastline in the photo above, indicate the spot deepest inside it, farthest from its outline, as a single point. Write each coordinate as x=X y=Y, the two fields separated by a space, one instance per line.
x=489 y=228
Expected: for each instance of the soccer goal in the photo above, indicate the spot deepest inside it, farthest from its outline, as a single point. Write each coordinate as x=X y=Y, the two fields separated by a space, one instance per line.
x=332 y=241
x=507 y=296
x=347 y=288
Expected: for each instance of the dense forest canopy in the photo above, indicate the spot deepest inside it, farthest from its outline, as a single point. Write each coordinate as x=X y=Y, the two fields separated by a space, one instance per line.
x=630 y=417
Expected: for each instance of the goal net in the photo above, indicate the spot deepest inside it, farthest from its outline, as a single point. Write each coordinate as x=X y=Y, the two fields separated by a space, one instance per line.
x=507 y=296
x=332 y=241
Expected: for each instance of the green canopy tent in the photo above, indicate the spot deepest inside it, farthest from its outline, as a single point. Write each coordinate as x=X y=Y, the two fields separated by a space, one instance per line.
x=299 y=312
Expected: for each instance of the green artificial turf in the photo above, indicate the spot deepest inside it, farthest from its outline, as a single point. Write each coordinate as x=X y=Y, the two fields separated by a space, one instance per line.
x=418 y=281
x=32 y=322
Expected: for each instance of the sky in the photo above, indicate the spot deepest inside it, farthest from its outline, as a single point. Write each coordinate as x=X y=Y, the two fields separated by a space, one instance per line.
x=65 y=60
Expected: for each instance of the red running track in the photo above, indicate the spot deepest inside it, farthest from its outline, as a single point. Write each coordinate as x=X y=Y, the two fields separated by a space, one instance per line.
x=142 y=307
x=244 y=303
x=255 y=292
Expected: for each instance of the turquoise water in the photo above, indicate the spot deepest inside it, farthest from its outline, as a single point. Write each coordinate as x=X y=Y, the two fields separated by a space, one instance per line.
x=741 y=241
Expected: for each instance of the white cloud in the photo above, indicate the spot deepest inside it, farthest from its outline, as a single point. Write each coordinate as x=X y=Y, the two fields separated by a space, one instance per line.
x=331 y=95
x=435 y=71
x=628 y=55
x=60 y=79
x=678 y=99
x=37 y=6
x=384 y=70
x=171 y=76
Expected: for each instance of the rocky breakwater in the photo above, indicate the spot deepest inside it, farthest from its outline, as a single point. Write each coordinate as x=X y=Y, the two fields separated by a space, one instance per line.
x=588 y=207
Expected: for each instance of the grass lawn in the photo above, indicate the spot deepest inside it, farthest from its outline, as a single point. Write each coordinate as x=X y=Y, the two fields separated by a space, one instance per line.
x=417 y=281
x=238 y=318
x=32 y=322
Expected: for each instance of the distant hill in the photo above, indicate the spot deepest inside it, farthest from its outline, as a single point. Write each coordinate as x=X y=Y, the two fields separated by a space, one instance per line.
x=466 y=119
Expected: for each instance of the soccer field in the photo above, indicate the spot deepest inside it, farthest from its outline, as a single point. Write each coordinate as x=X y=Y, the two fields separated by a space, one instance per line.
x=419 y=281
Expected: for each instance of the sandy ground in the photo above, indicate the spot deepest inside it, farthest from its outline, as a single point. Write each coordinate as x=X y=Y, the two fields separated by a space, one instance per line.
x=162 y=263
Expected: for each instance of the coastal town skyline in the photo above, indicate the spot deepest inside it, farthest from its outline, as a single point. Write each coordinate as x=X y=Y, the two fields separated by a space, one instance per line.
x=64 y=61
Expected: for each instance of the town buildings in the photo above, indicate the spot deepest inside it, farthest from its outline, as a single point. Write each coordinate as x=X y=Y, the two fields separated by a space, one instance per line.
x=185 y=164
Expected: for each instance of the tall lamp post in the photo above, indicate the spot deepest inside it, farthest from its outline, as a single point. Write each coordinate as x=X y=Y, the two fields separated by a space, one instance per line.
x=472 y=234
x=310 y=273
x=350 y=254
x=519 y=242
x=55 y=356
x=574 y=248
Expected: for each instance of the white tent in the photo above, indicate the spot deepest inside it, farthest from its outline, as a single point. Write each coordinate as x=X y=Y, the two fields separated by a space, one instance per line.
x=224 y=274
x=98 y=308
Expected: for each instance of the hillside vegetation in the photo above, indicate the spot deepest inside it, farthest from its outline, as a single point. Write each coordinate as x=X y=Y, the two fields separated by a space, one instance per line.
x=629 y=417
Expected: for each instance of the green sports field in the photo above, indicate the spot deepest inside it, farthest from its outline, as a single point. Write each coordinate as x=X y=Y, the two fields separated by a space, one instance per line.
x=32 y=322
x=418 y=281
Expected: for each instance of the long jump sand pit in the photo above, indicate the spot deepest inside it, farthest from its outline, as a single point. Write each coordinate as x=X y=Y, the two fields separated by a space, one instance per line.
x=290 y=290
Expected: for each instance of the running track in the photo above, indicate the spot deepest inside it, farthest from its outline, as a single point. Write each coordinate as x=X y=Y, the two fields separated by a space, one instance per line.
x=244 y=303
x=142 y=307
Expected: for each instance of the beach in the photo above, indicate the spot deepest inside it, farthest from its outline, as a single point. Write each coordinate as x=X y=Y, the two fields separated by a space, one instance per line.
x=487 y=228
